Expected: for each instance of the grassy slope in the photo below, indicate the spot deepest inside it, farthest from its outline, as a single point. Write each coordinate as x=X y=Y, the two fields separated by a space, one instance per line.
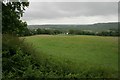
x=80 y=51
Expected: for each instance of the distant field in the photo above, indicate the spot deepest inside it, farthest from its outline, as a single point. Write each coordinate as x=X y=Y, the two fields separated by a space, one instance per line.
x=82 y=52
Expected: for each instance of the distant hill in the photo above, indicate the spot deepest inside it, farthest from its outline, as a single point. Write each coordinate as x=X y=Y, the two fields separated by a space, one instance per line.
x=94 y=27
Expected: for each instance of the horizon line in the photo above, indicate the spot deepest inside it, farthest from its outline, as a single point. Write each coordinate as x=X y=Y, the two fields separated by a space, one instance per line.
x=73 y=23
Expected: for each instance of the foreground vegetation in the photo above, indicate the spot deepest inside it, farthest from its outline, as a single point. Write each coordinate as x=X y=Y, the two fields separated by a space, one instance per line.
x=39 y=57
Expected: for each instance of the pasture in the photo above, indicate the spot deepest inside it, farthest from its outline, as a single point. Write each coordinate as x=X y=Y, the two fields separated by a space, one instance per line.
x=80 y=53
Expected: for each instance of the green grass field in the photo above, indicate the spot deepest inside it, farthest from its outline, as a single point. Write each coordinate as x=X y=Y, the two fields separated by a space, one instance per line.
x=82 y=52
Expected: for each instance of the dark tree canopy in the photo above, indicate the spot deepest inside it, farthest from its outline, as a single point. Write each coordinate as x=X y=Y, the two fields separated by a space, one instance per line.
x=11 y=14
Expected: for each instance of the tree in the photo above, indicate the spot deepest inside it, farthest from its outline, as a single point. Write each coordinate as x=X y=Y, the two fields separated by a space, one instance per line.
x=39 y=31
x=71 y=31
x=11 y=14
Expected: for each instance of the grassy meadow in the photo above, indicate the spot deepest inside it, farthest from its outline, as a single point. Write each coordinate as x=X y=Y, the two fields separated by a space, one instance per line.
x=79 y=53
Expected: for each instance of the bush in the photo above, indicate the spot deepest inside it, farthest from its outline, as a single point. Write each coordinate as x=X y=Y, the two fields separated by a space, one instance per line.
x=16 y=62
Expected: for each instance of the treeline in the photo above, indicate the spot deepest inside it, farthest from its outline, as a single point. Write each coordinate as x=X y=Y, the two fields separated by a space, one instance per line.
x=30 y=32
x=110 y=32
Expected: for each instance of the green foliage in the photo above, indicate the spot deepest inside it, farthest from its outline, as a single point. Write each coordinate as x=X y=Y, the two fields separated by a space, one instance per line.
x=110 y=32
x=29 y=32
x=17 y=62
x=81 y=32
x=14 y=60
x=11 y=13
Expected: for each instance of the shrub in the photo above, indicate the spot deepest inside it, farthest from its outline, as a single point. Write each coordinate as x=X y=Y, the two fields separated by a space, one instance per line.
x=16 y=62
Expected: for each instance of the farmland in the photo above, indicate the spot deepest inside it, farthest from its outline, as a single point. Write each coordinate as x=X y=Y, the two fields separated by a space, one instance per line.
x=80 y=53
x=59 y=40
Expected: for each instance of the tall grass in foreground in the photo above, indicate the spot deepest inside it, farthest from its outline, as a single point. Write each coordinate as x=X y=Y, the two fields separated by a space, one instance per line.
x=20 y=60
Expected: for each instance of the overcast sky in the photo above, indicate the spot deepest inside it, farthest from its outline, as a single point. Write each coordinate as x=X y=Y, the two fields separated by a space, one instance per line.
x=71 y=12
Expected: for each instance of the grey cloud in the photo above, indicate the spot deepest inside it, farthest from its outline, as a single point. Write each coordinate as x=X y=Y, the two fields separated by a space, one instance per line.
x=74 y=0
x=51 y=10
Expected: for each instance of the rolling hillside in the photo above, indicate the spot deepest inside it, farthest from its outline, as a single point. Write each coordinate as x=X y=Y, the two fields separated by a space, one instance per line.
x=94 y=27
